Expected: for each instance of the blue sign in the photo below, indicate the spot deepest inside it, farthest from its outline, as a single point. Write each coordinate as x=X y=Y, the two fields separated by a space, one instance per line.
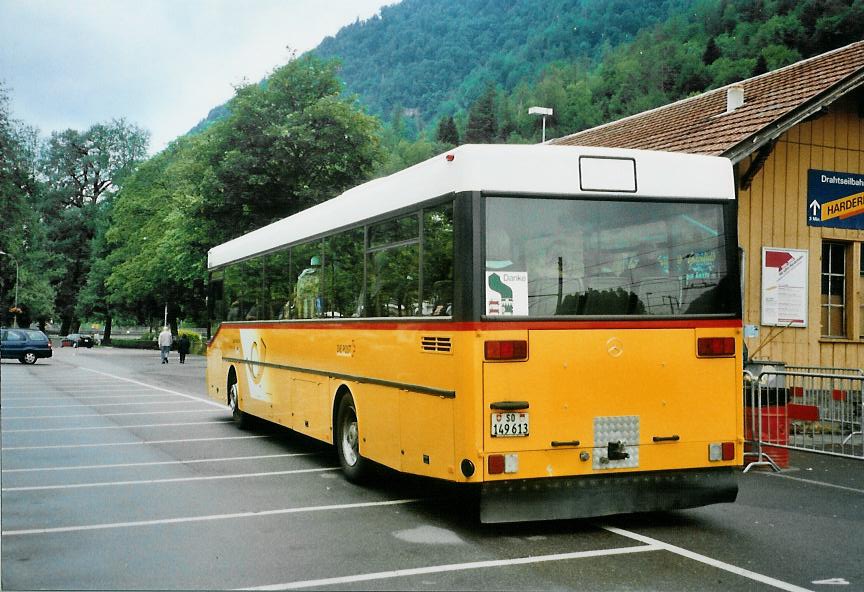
x=835 y=199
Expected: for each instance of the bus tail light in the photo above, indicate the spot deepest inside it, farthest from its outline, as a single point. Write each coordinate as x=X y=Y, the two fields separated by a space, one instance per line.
x=721 y=451
x=715 y=347
x=506 y=350
x=502 y=463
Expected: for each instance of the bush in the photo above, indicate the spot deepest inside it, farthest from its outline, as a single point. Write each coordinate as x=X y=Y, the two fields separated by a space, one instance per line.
x=134 y=343
x=149 y=341
x=196 y=346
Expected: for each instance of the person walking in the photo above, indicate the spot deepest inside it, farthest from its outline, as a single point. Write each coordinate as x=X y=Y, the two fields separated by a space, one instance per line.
x=165 y=341
x=183 y=345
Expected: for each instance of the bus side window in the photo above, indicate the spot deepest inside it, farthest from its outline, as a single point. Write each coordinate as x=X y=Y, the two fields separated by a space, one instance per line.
x=216 y=301
x=254 y=290
x=279 y=284
x=233 y=292
x=343 y=274
x=438 y=261
x=393 y=268
x=394 y=281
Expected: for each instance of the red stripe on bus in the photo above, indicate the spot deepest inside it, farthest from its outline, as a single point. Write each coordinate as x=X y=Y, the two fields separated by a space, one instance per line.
x=491 y=325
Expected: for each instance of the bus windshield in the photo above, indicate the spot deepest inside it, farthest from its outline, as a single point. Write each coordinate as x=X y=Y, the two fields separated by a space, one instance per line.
x=564 y=257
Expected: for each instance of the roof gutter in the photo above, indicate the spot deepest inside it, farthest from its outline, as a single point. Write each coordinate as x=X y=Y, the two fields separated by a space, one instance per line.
x=774 y=130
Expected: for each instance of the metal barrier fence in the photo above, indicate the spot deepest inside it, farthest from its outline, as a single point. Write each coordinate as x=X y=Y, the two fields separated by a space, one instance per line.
x=808 y=408
x=825 y=370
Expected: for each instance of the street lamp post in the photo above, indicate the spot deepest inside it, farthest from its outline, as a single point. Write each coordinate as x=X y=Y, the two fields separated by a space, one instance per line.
x=15 y=306
x=544 y=111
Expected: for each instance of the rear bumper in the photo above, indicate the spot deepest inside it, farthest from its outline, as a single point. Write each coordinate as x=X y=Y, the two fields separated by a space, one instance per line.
x=600 y=495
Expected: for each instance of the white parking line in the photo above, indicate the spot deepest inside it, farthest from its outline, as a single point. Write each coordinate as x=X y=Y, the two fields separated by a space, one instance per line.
x=65 y=395
x=111 y=414
x=141 y=395
x=207 y=518
x=156 y=388
x=434 y=569
x=820 y=483
x=650 y=544
x=140 y=443
x=158 y=463
x=84 y=388
x=73 y=375
x=171 y=480
x=752 y=575
x=83 y=406
x=119 y=427
x=41 y=393
x=108 y=384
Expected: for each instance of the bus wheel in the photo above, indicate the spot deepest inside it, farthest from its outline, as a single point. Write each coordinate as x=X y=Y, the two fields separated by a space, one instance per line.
x=354 y=466
x=241 y=419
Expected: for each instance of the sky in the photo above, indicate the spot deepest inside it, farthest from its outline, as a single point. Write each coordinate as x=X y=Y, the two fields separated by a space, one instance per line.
x=160 y=64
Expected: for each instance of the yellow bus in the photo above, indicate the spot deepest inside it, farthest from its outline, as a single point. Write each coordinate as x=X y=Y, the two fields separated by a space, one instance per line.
x=559 y=326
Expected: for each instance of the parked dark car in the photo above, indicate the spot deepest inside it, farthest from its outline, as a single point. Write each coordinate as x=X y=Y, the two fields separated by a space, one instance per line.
x=26 y=345
x=77 y=339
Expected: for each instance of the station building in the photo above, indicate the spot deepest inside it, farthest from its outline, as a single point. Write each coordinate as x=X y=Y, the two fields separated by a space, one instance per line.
x=796 y=139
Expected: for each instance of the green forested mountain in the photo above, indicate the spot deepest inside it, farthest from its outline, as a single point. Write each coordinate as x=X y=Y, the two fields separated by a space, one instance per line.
x=436 y=56
x=591 y=60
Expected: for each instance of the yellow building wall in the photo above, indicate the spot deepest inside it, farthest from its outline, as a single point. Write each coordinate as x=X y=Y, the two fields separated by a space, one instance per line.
x=772 y=213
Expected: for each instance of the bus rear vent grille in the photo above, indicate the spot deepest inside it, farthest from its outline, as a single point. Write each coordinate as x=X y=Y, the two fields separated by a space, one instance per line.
x=435 y=344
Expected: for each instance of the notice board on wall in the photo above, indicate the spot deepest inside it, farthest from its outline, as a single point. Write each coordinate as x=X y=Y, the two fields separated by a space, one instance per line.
x=784 y=287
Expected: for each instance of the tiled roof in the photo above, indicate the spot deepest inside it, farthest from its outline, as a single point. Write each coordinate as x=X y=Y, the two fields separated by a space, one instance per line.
x=701 y=125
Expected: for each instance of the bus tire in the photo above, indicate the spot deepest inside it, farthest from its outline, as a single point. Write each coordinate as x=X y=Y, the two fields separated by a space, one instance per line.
x=241 y=419
x=354 y=466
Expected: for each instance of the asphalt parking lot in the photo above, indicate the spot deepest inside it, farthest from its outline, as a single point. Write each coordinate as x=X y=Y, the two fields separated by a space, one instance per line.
x=118 y=473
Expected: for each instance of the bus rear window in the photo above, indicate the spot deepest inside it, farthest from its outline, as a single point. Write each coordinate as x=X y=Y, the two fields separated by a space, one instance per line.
x=564 y=257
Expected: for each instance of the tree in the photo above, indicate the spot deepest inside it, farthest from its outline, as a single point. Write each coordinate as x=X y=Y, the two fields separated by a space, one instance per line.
x=288 y=143
x=761 y=66
x=711 y=53
x=482 y=122
x=157 y=245
x=81 y=169
x=27 y=268
x=447 y=132
x=93 y=297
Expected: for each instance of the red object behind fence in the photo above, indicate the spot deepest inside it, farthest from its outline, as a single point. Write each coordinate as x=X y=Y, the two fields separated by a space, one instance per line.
x=775 y=430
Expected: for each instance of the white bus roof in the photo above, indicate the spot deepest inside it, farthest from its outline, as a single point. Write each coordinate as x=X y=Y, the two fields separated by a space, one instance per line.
x=531 y=169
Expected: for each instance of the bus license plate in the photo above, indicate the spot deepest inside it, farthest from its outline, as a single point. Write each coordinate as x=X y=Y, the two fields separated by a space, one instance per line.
x=509 y=424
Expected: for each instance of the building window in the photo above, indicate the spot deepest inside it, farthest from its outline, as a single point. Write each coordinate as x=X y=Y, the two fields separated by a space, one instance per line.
x=833 y=289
